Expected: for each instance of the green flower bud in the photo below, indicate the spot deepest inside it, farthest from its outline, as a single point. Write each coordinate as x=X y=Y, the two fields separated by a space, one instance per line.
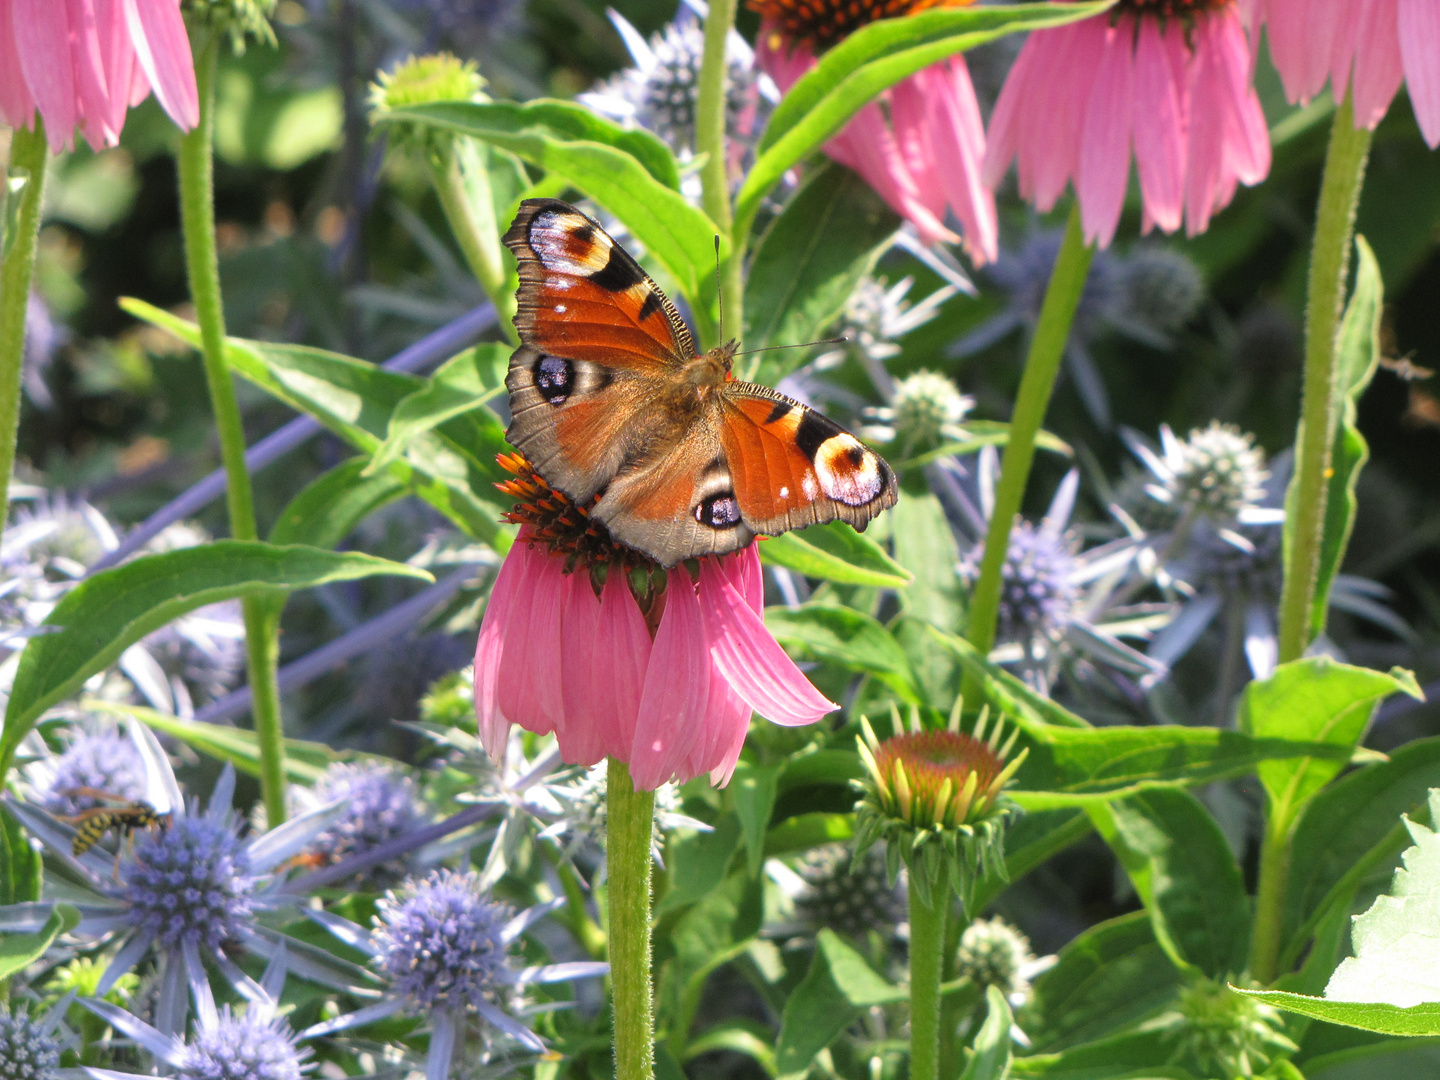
x=423 y=80
x=241 y=19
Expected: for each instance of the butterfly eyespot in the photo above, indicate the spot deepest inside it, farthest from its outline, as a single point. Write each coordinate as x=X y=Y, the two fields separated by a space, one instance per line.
x=554 y=378
x=719 y=511
x=847 y=472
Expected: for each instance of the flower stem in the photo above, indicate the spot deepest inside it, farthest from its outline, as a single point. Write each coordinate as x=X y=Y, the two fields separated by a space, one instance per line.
x=710 y=141
x=28 y=154
x=952 y=1006
x=927 y=938
x=1329 y=262
x=629 y=825
x=469 y=207
x=1270 y=898
x=1047 y=347
x=195 y=163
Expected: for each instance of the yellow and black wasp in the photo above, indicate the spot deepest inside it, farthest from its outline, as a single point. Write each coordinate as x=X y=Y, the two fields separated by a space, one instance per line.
x=125 y=816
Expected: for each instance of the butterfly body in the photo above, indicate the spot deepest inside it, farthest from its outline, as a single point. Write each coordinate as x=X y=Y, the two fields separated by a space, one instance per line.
x=609 y=398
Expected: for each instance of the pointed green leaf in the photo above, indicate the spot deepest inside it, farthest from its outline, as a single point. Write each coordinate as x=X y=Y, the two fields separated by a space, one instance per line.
x=990 y=1052
x=462 y=385
x=1386 y=1019
x=834 y=552
x=753 y=790
x=847 y=637
x=18 y=951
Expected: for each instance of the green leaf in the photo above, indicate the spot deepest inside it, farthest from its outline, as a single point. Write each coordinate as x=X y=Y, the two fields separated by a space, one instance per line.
x=1003 y=690
x=448 y=467
x=1186 y=876
x=305 y=762
x=462 y=385
x=834 y=552
x=838 y=986
x=1357 y=355
x=18 y=951
x=102 y=616
x=805 y=831
x=982 y=433
x=1386 y=1019
x=1135 y=1055
x=1314 y=699
x=698 y=864
x=866 y=63
x=753 y=790
x=990 y=1058
x=739 y=1037
x=1396 y=961
x=925 y=547
x=612 y=166
x=1393 y=1059
x=811 y=258
x=327 y=509
x=847 y=637
x=1352 y=831
x=1109 y=978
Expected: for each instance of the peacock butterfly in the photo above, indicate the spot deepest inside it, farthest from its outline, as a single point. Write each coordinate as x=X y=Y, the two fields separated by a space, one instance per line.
x=608 y=397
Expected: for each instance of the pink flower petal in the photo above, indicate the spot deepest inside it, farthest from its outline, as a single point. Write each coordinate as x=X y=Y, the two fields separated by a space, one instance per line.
x=162 y=49
x=490 y=646
x=1419 y=26
x=1303 y=37
x=1104 y=171
x=677 y=688
x=606 y=652
x=727 y=722
x=529 y=687
x=910 y=121
x=90 y=83
x=42 y=39
x=868 y=146
x=1064 y=73
x=751 y=660
x=17 y=107
x=117 y=54
x=1378 y=66
x=958 y=140
x=1161 y=129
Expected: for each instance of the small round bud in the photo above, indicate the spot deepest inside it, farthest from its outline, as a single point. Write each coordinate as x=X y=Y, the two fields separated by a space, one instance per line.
x=241 y=19
x=850 y=896
x=423 y=80
x=1224 y=1033
x=994 y=953
x=1218 y=470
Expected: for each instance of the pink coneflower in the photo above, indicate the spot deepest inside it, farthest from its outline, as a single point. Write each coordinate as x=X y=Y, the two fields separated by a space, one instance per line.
x=920 y=146
x=1368 y=45
x=1168 y=78
x=83 y=63
x=659 y=669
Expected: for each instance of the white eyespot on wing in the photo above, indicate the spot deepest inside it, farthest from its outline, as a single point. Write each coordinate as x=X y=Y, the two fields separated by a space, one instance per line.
x=848 y=472
x=568 y=244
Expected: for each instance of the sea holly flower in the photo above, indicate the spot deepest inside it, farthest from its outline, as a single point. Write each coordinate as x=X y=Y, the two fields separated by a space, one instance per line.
x=920 y=145
x=936 y=797
x=379 y=803
x=442 y=949
x=1367 y=46
x=29 y=1048
x=595 y=643
x=183 y=893
x=82 y=64
x=586 y=809
x=850 y=895
x=926 y=409
x=1169 y=79
x=994 y=953
x=99 y=757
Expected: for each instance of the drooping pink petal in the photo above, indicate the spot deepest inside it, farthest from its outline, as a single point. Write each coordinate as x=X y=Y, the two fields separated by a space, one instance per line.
x=751 y=660
x=42 y=40
x=162 y=48
x=727 y=721
x=1104 y=169
x=1064 y=74
x=958 y=140
x=91 y=87
x=529 y=687
x=1247 y=149
x=1378 y=69
x=1161 y=129
x=868 y=145
x=17 y=106
x=910 y=121
x=490 y=646
x=606 y=652
x=117 y=54
x=1007 y=122
x=1419 y=25
x=677 y=687
x=1303 y=38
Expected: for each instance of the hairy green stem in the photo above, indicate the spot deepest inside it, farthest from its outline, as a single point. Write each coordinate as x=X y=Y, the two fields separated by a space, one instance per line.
x=952 y=1006
x=1329 y=263
x=195 y=163
x=464 y=191
x=1270 y=898
x=927 y=938
x=28 y=155
x=714 y=174
x=629 y=825
x=1047 y=347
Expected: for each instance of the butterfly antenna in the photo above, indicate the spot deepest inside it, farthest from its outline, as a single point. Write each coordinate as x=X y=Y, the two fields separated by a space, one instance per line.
x=799 y=345
x=719 y=291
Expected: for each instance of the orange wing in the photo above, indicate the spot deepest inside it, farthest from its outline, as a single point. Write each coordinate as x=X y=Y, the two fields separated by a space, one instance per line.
x=599 y=340
x=790 y=466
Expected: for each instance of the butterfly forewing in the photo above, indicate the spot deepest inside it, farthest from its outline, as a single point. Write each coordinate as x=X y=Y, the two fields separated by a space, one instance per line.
x=608 y=397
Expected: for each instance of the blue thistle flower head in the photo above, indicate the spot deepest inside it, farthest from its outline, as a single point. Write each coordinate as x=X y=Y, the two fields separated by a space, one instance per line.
x=1037 y=591
x=440 y=941
x=28 y=1050
x=190 y=881
x=252 y=1046
x=102 y=760
x=381 y=803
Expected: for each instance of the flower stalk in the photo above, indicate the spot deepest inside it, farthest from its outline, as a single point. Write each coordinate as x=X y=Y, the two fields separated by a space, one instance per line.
x=629 y=816
x=465 y=197
x=710 y=144
x=29 y=156
x=195 y=164
x=1344 y=176
x=927 y=941
x=1047 y=347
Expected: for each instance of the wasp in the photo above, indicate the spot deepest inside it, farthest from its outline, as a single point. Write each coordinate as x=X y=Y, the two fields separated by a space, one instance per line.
x=125 y=816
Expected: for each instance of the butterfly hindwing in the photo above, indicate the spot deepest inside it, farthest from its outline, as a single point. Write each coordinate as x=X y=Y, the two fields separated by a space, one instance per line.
x=582 y=296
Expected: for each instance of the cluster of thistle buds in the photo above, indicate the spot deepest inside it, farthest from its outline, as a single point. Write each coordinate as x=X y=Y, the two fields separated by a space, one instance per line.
x=936 y=797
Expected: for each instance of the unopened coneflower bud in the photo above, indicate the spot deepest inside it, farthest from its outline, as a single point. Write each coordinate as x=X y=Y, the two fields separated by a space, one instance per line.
x=936 y=798
x=423 y=80
x=242 y=20
x=1222 y=1032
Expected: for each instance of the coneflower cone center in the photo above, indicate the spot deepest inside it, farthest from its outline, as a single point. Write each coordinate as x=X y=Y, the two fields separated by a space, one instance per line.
x=936 y=764
x=822 y=23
